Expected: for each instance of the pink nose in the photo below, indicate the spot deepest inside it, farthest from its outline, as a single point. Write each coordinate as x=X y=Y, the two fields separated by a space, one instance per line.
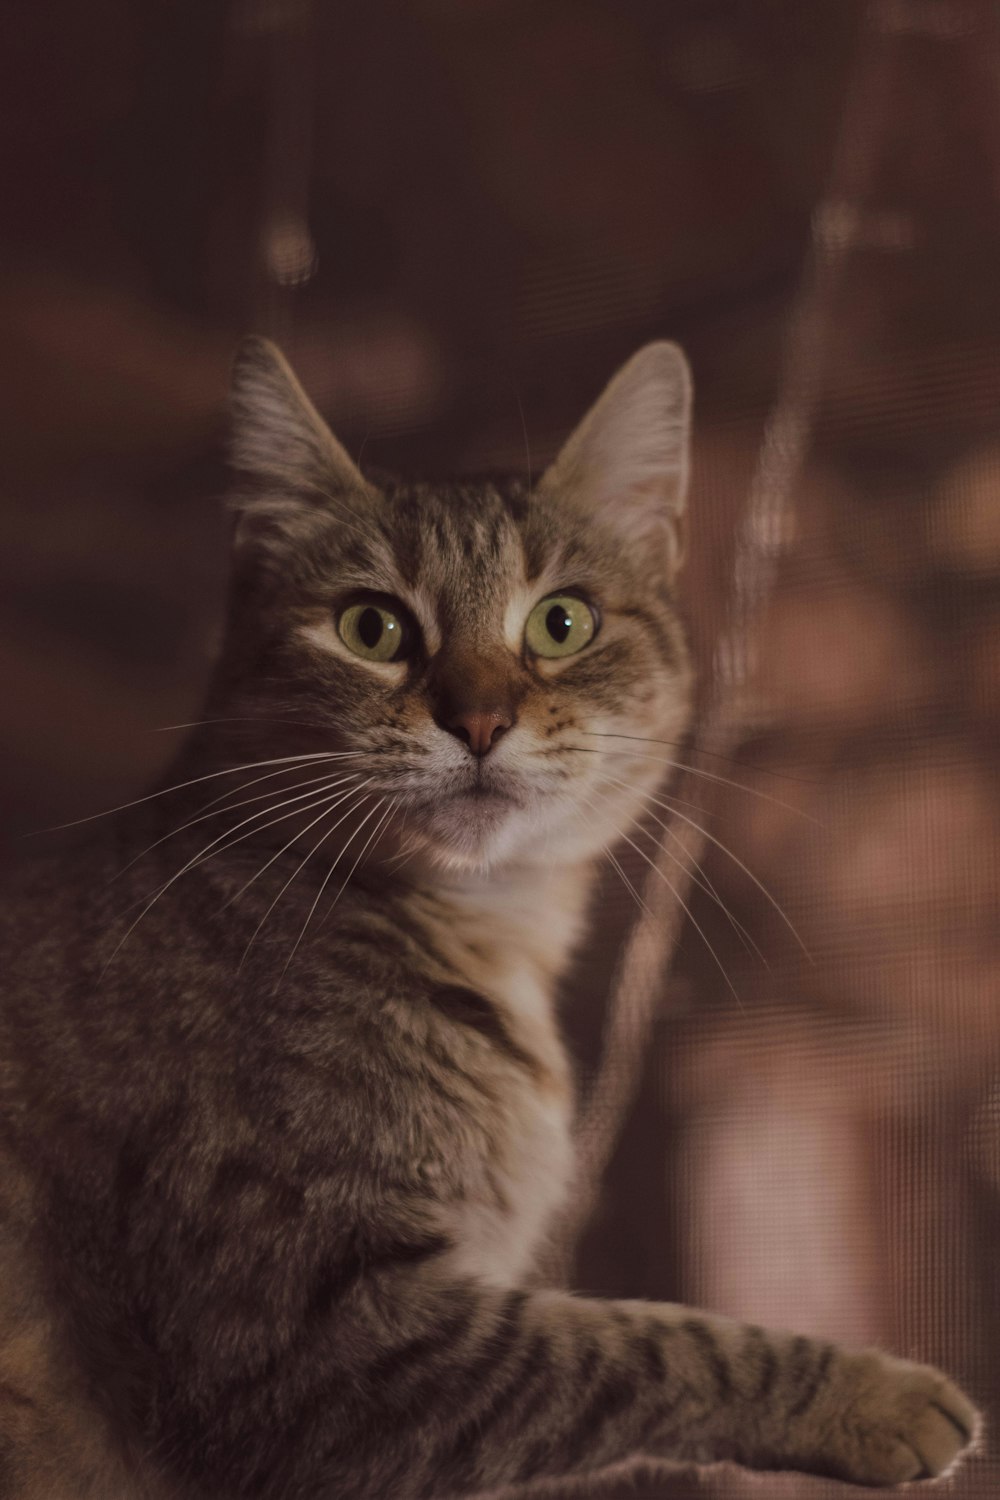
x=479 y=732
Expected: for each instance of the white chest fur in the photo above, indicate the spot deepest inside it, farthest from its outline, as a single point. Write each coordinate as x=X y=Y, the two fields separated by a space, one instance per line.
x=511 y=939
x=531 y=1171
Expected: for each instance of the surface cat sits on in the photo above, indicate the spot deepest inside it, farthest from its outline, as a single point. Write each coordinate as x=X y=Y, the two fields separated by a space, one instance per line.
x=285 y=1111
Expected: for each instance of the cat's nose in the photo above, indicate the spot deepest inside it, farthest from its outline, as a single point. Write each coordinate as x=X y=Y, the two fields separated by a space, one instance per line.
x=479 y=730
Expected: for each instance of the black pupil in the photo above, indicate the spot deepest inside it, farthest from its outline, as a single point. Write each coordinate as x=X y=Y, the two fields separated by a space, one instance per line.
x=370 y=627
x=558 y=623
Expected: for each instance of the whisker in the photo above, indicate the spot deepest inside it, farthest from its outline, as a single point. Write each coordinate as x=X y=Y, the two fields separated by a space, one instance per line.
x=736 y=861
x=703 y=883
x=695 y=771
x=690 y=915
x=405 y=860
x=698 y=878
x=285 y=771
x=240 y=719
x=402 y=857
x=733 y=760
x=253 y=765
x=302 y=864
x=316 y=782
x=606 y=851
x=206 y=853
x=326 y=880
x=370 y=843
x=615 y=865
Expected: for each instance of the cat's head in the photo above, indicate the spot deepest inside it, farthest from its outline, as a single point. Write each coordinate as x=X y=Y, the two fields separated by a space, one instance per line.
x=495 y=658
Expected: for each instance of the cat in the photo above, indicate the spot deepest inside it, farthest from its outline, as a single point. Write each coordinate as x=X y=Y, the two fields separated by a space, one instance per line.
x=284 y=1111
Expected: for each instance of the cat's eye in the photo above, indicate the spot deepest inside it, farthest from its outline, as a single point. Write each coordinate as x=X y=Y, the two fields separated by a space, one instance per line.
x=560 y=625
x=373 y=631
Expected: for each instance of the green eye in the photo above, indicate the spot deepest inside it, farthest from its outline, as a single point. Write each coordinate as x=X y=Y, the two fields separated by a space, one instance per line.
x=560 y=625
x=372 y=631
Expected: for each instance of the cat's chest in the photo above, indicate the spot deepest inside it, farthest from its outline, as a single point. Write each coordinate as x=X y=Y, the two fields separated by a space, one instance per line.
x=524 y=1177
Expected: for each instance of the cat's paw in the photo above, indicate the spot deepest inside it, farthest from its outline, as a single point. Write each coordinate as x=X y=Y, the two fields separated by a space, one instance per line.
x=899 y=1421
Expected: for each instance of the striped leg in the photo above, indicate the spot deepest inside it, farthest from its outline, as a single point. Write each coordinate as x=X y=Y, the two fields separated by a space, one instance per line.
x=490 y=1388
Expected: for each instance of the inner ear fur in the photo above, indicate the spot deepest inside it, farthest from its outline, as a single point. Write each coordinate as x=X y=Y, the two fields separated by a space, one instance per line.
x=279 y=440
x=629 y=458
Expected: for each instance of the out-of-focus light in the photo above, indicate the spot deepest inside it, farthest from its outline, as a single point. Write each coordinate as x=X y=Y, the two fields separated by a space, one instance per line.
x=841 y=225
x=940 y=18
x=290 y=253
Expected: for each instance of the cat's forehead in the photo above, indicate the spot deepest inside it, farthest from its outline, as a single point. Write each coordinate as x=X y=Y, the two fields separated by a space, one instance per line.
x=452 y=537
x=463 y=554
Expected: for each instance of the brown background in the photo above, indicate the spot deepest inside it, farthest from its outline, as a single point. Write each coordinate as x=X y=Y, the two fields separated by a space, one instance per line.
x=459 y=216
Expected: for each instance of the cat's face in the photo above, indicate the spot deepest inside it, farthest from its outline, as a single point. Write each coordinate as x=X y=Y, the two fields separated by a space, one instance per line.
x=496 y=654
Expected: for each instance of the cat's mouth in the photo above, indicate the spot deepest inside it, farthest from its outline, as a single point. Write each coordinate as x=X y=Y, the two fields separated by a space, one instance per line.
x=475 y=795
x=479 y=794
x=463 y=818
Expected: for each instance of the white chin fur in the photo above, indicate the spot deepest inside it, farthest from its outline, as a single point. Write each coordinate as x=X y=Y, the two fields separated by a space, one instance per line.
x=550 y=830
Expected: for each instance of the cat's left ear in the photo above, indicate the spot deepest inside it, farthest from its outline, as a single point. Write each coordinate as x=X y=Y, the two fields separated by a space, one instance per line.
x=629 y=457
x=280 y=443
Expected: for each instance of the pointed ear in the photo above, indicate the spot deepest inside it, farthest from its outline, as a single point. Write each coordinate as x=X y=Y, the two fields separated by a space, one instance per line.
x=628 y=459
x=279 y=440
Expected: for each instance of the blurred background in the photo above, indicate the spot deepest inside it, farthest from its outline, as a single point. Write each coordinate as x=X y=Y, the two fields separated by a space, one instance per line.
x=459 y=216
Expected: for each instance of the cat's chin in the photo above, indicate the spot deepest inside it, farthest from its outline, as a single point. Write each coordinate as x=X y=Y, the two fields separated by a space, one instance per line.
x=479 y=832
x=469 y=831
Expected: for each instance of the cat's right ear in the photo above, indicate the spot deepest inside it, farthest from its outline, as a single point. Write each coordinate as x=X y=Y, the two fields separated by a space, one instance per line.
x=627 y=461
x=281 y=447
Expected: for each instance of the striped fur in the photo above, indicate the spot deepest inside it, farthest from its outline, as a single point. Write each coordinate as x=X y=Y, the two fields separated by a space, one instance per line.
x=285 y=1111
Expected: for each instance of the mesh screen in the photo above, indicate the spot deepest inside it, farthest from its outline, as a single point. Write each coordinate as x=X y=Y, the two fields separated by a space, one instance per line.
x=459 y=218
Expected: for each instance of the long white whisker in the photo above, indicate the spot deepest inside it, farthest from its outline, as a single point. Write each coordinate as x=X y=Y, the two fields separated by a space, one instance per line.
x=206 y=853
x=279 y=760
x=646 y=739
x=401 y=856
x=736 y=861
x=578 y=797
x=369 y=843
x=696 y=875
x=615 y=865
x=678 y=765
x=406 y=853
x=590 y=750
x=317 y=783
x=676 y=893
x=239 y=719
x=691 y=918
x=701 y=880
x=326 y=880
x=301 y=865
x=284 y=771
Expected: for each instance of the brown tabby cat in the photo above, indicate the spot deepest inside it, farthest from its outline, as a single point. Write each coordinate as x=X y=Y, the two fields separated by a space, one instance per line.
x=285 y=1112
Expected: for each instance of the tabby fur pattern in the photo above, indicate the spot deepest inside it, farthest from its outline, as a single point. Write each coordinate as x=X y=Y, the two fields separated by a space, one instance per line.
x=285 y=1116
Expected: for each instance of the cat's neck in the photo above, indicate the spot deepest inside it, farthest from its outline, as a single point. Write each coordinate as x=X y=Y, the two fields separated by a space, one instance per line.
x=513 y=926
x=516 y=925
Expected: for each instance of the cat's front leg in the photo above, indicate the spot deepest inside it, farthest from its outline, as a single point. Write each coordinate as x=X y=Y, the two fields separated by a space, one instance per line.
x=787 y=1402
x=543 y=1385
x=423 y=1388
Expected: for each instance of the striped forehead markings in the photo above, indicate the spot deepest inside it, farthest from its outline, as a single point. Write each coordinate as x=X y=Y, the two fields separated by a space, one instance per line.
x=460 y=557
x=469 y=564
